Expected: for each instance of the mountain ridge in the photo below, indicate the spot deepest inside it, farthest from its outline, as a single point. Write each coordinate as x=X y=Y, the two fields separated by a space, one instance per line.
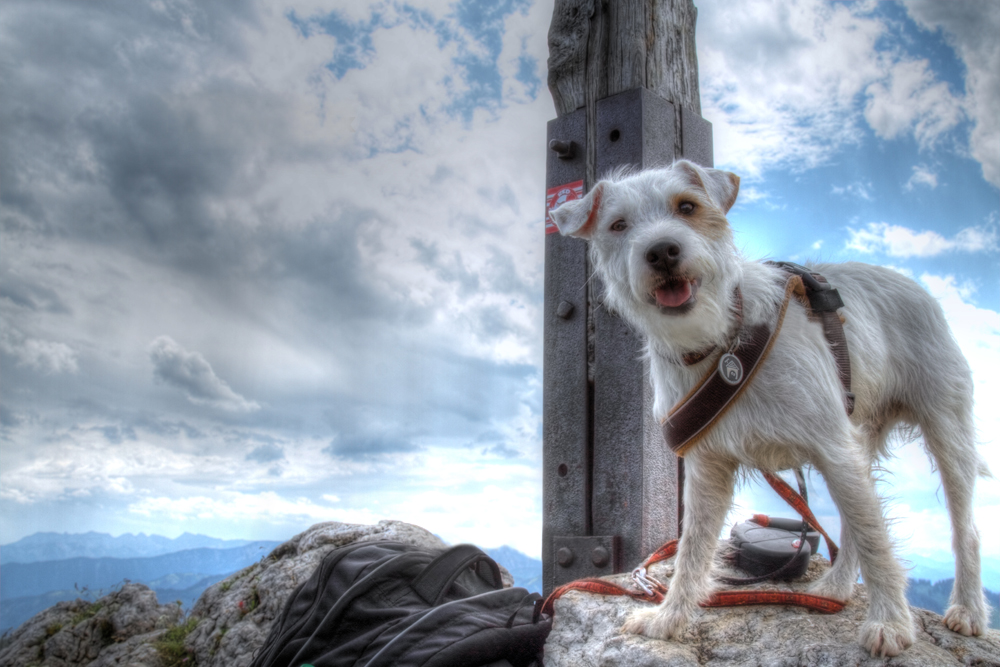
x=52 y=546
x=28 y=579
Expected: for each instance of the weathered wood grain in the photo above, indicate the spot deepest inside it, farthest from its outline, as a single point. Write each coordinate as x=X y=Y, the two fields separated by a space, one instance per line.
x=602 y=47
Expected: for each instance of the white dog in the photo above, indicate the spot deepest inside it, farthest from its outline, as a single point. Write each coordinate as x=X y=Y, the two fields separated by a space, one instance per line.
x=661 y=244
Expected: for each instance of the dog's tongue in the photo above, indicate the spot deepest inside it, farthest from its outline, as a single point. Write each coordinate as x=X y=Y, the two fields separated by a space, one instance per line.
x=675 y=294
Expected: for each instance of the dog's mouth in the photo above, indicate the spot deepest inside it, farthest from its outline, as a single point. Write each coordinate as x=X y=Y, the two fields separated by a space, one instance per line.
x=676 y=294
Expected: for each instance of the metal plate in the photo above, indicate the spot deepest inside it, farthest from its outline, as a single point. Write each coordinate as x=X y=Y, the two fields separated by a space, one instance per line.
x=578 y=557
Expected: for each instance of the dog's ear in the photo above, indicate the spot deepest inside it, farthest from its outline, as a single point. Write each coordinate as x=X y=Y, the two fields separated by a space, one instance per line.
x=721 y=186
x=578 y=217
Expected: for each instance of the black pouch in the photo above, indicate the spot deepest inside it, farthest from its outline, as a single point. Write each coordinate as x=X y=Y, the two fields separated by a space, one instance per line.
x=765 y=545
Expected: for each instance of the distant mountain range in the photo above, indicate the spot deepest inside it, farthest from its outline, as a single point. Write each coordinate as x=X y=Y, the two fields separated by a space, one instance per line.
x=27 y=588
x=527 y=571
x=60 y=546
x=45 y=568
x=23 y=579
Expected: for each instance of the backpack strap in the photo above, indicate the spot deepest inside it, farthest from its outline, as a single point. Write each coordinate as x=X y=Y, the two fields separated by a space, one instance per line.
x=441 y=573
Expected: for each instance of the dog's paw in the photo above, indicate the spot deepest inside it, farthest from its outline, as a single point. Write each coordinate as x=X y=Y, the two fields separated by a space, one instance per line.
x=826 y=587
x=657 y=623
x=885 y=640
x=965 y=621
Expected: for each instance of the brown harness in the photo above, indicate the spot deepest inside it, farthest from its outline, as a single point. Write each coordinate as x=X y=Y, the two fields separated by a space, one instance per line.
x=695 y=414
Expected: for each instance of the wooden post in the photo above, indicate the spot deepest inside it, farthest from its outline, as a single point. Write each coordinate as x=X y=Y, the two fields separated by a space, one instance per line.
x=624 y=78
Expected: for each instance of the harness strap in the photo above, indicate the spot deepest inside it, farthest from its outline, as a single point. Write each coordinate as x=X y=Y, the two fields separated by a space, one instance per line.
x=696 y=413
x=823 y=301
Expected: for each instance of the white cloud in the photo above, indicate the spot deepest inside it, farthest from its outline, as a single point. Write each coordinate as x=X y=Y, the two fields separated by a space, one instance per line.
x=267 y=506
x=46 y=356
x=779 y=79
x=922 y=175
x=789 y=84
x=447 y=495
x=857 y=189
x=192 y=374
x=911 y=99
x=751 y=194
x=899 y=241
x=971 y=27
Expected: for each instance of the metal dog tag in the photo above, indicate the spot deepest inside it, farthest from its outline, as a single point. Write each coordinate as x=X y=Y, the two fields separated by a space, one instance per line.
x=730 y=369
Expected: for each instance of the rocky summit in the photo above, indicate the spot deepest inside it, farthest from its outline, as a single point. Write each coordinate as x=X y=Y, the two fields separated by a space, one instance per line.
x=232 y=619
x=587 y=633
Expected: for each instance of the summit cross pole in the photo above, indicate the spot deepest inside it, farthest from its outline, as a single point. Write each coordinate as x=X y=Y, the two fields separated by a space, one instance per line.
x=624 y=78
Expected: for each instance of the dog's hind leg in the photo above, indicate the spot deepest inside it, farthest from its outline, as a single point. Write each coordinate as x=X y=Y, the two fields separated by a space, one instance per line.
x=838 y=582
x=888 y=629
x=708 y=494
x=949 y=438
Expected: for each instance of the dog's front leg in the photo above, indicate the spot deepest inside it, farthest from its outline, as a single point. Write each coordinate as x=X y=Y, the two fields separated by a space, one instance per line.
x=708 y=494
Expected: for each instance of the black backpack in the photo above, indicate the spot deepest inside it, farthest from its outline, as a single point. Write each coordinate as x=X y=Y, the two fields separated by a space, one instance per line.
x=386 y=604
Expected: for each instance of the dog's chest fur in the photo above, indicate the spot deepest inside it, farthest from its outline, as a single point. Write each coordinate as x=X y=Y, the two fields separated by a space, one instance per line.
x=792 y=400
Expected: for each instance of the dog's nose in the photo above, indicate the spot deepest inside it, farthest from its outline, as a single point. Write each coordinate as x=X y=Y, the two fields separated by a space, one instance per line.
x=664 y=255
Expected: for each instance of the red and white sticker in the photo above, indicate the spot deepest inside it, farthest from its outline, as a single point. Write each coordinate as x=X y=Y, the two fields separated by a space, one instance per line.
x=556 y=197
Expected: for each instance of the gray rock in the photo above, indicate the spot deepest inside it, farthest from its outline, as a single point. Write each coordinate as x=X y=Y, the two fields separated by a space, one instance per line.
x=81 y=633
x=229 y=622
x=586 y=633
x=235 y=615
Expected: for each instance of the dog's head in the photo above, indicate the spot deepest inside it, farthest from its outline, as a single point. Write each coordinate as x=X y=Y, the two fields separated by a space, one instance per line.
x=661 y=244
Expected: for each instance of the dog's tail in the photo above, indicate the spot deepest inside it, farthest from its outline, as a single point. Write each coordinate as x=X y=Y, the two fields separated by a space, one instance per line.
x=984 y=470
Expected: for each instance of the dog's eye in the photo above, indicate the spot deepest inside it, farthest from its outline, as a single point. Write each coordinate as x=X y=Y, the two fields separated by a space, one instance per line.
x=686 y=207
x=619 y=226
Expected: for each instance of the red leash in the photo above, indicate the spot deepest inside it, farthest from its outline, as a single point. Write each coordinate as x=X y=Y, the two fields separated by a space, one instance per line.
x=654 y=591
x=798 y=503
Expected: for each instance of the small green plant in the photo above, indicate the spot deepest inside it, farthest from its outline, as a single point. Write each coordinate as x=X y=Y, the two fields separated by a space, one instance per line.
x=89 y=611
x=53 y=628
x=171 y=647
x=226 y=585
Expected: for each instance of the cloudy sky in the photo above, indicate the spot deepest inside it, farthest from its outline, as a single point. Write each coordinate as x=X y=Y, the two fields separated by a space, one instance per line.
x=268 y=264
